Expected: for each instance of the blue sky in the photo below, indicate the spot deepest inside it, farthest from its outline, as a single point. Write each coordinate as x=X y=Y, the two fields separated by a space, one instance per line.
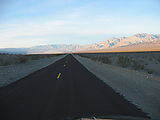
x=25 y=23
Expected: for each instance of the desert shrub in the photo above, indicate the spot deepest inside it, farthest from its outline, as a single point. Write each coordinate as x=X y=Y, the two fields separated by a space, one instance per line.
x=149 y=71
x=105 y=60
x=4 y=62
x=127 y=61
x=1 y=60
x=137 y=66
x=93 y=58
x=146 y=63
x=9 y=59
x=48 y=56
x=150 y=58
x=22 y=59
x=35 y=57
x=158 y=59
x=123 y=61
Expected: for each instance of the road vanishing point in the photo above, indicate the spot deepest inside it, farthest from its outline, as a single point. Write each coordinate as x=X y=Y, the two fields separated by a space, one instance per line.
x=64 y=89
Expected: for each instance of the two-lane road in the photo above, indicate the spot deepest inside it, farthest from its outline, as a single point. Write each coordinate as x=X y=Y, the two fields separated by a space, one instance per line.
x=61 y=90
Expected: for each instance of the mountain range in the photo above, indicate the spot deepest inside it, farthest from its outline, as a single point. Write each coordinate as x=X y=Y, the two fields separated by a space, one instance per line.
x=137 y=42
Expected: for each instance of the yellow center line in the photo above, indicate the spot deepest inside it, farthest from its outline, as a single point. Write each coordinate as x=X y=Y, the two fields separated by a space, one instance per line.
x=58 y=75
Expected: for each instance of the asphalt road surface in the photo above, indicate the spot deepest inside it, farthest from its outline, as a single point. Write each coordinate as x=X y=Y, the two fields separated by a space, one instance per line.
x=62 y=90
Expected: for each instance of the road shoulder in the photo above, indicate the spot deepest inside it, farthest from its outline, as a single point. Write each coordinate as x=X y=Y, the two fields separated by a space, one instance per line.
x=12 y=73
x=139 y=88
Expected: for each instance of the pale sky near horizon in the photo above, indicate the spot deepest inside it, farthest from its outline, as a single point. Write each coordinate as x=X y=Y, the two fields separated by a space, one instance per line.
x=25 y=23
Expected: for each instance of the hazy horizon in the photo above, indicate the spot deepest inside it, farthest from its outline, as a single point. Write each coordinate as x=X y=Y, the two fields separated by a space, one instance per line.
x=109 y=38
x=30 y=23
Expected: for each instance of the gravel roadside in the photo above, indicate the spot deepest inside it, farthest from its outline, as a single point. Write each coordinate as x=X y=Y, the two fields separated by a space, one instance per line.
x=12 y=73
x=140 y=88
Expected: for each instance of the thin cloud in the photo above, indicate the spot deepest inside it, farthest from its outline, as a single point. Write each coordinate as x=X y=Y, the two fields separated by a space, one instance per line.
x=88 y=21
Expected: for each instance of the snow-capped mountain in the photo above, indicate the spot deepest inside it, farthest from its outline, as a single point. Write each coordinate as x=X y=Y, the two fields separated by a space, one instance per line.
x=147 y=41
x=127 y=41
x=53 y=48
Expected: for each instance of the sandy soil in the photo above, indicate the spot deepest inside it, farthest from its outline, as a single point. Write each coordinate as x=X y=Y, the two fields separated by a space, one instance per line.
x=148 y=62
x=12 y=73
x=140 y=88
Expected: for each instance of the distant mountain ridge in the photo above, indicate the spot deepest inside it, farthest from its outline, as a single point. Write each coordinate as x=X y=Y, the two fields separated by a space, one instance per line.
x=126 y=41
x=112 y=43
